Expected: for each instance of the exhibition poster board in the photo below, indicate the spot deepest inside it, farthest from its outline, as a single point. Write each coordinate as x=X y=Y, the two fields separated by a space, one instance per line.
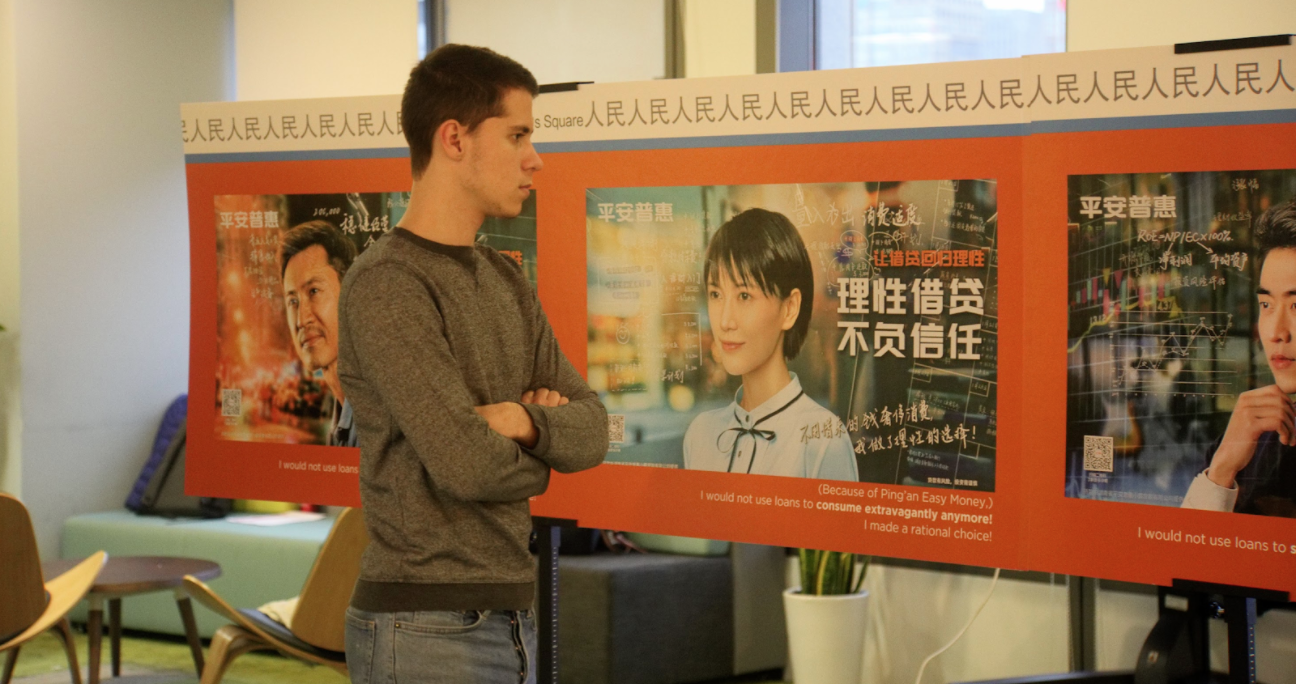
x=1142 y=201
x=933 y=221
x=911 y=224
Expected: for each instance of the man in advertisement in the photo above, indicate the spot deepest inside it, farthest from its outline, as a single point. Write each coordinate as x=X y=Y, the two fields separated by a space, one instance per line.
x=314 y=257
x=1252 y=469
x=463 y=401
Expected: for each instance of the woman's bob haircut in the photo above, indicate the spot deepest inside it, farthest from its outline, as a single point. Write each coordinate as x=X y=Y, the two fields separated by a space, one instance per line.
x=762 y=248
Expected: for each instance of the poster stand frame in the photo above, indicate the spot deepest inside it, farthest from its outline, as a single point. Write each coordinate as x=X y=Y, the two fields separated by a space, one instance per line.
x=1081 y=612
x=1237 y=606
x=548 y=533
x=1177 y=649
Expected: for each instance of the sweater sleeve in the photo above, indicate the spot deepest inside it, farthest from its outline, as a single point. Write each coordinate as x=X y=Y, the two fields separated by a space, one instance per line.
x=573 y=437
x=397 y=333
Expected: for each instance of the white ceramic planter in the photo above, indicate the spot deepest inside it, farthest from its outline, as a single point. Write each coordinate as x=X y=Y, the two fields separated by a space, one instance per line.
x=826 y=636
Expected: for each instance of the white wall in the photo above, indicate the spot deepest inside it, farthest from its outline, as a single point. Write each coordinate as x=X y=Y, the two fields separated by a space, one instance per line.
x=912 y=613
x=1104 y=24
x=10 y=415
x=8 y=172
x=1022 y=630
x=105 y=244
x=567 y=40
x=10 y=410
x=323 y=48
x=588 y=40
x=719 y=37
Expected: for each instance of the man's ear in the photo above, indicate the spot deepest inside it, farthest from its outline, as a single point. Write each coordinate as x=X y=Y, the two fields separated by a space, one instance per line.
x=450 y=139
x=791 y=308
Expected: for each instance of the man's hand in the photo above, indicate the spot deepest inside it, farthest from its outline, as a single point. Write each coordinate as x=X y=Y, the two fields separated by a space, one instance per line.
x=511 y=420
x=544 y=397
x=1258 y=411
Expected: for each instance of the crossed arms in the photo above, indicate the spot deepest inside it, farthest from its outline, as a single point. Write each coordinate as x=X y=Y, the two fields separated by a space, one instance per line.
x=471 y=450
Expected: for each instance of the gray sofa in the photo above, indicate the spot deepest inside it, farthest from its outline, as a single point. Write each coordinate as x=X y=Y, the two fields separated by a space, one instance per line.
x=660 y=618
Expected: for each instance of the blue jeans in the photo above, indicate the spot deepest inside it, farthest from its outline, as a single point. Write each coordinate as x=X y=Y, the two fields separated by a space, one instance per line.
x=435 y=647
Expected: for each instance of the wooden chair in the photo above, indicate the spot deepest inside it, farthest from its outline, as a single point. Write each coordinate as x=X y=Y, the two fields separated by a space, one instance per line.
x=28 y=604
x=318 y=630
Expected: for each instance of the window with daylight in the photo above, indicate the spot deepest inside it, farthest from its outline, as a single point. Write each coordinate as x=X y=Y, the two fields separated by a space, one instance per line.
x=866 y=33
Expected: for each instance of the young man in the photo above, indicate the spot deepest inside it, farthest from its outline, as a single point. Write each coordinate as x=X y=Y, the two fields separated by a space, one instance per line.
x=463 y=401
x=1253 y=467
x=314 y=257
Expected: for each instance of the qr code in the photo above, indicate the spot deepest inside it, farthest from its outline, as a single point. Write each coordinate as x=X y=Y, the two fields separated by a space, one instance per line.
x=616 y=429
x=231 y=403
x=1098 y=453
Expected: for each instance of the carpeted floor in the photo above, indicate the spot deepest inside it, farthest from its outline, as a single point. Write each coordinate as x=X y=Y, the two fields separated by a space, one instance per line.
x=151 y=659
x=158 y=659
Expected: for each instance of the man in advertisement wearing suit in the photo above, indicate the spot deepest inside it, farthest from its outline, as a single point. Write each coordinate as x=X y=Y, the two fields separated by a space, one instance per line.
x=313 y=258
x=1252 y=469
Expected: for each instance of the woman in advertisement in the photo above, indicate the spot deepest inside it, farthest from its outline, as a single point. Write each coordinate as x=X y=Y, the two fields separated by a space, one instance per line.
x=760 y=287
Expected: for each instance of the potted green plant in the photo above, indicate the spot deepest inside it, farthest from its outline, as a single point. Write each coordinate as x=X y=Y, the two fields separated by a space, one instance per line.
x=826 y=616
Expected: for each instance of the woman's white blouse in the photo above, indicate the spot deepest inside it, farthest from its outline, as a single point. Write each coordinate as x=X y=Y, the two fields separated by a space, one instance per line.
x=789 y=435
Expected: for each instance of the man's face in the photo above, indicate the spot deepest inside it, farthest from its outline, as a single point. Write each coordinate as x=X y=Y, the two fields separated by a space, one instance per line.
x=1277 y=322
x=500 y=158
x=747 y=324
x=311 y=288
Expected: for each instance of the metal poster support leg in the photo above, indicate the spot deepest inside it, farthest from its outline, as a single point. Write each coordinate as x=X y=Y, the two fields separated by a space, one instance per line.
x=1082 y=591
x=1178 y=647
x=548 y=539
x=1240 y=614
x=1240 y=607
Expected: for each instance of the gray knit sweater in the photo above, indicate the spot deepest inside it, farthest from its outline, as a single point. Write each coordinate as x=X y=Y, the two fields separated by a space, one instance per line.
x=427 y=332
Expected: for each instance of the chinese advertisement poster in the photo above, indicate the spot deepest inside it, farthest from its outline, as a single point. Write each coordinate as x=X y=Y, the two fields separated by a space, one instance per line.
x=840 y=331
x=280 y=263
x=1180 y=324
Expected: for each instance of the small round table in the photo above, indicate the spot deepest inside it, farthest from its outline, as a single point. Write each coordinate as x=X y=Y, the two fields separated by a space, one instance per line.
x=130 y=575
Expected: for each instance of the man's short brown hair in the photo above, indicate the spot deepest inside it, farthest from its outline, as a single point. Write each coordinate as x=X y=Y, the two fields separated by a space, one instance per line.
x=456 y=82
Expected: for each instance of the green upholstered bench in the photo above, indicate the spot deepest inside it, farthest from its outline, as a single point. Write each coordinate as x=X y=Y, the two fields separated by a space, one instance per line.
x=258 y=564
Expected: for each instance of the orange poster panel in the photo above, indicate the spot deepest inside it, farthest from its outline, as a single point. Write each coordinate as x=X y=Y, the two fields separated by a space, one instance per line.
x=636 y=318
x=861 y=310
x=260 y=412
x=1155 y=282
x=270 y=242
x=911 y=458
